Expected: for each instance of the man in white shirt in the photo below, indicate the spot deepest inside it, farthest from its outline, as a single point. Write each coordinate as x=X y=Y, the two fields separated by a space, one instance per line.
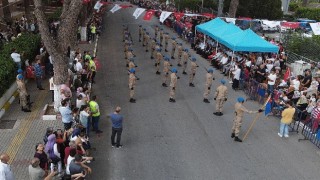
x=5 y=170
x=271 y=81
x=79 y=66
x=236 y=77
x=16 y=58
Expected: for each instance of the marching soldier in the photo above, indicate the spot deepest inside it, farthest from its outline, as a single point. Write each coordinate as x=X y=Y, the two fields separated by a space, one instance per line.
x=23 y=95
x=173 y=84
x=174 y=45
x=166 y=67
x=220 y=97
x=180 y=49
x=157 y=46
x=166 y=41
x=152 y=47
x=127 y=45
x=143 y=36
x=132 y=84
x=132 y=65
x=124 y=32
x=158 y=60
x=161 y=36
x=239 y=110
x=209 y=79
x=156 y=31
x=185 y=58
x=193 y=71
x=147 y=39
x=140 y=32
x=129 y=55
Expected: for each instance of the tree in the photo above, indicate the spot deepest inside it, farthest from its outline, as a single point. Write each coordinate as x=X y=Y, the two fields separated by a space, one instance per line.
x=6 y=10
x=220 y=8
x=305 y=3
x=26 y=4
x=233 y=8
x=57 y=46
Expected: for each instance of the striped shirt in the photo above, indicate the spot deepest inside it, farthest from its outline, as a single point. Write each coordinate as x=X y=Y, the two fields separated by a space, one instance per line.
x=315 y=112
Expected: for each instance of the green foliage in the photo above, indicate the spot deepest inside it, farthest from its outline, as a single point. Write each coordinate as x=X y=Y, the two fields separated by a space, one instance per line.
x=258 y=9
x=27 y=44
x=54 y=16
x=195 y=4
x=313 y=14
x=293 y=6
x=307 y=47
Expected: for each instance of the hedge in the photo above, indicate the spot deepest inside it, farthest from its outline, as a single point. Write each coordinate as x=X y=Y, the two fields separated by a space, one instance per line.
x=28 y=44
x=309 y=13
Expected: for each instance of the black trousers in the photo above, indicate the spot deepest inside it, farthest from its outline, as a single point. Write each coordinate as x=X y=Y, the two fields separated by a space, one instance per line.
x=116 y=131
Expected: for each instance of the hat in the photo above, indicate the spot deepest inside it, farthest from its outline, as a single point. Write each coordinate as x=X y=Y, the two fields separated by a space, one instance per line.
x=174 y=70
x=20 y=71
x=166 y=58
x=132 y=70
x=240 y=99
x=173 y=38
x=223 y=81
x=186 y=49
x=193 y=59
x=20 y=77
x=210 y=70
x=131 y=59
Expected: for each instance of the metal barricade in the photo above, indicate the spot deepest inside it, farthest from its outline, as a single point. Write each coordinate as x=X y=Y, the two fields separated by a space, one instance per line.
x=309 y=133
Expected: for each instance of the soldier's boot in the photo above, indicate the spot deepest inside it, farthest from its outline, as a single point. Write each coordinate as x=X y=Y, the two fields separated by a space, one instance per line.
x=237 y=139
x=132 y=100
x=206 y=100
x=164 y=85
x=216 y=113
x=166 y=50
x=191 y=84
x=179 y=65
x=184 y=72
x=155 y=64
x=26 y=110
x=172 y=57
x=220 y=113
x=158 y=72
x=233 y=135
x=127 y=65
x=147 y=51
x=152 y=57
x=172 y=100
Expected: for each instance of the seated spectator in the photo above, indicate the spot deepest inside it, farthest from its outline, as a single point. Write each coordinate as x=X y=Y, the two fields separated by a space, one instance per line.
x=76 y=166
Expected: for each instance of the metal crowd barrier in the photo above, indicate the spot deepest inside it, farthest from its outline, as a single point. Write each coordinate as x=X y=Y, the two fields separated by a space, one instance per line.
x=310 y=133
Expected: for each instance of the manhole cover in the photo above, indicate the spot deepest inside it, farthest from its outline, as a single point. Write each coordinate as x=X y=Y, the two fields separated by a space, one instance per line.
x=7 y=124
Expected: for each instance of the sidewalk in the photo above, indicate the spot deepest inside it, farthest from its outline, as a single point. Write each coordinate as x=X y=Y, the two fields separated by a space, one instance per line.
x=28 y=130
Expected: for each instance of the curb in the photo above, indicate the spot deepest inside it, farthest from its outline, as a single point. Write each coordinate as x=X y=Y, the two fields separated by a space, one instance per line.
x=7 y=105
x=95 y=47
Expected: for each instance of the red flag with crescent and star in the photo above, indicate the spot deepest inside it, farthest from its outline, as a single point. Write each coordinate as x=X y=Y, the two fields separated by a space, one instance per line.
x=149 y=14
x=178 y=15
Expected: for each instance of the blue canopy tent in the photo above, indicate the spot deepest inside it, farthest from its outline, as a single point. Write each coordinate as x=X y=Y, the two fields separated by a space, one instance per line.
x=226 y=30
x=248 y=41
x=207 y=27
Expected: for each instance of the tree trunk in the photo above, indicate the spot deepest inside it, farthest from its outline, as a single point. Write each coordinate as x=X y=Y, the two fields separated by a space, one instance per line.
x=220 y=8
x=83 y=22
x=6 y=10
x=27 y=8
x=233 y=8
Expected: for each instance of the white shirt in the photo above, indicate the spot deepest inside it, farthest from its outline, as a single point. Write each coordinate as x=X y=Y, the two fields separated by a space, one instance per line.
x=78 y=66
x=16 y=57
x=224 y=60
x=237 y=73
x=80 y=103
x=248 y=63
x=272 y=78
x=295 y=84
x=51 y=59
x=5 y=172
x=68 y=164
x=269 y=67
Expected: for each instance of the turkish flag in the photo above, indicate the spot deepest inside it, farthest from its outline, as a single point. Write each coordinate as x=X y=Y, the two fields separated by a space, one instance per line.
x=98 y=65
x=287 y=74
x=178 y=16
x=149 y=14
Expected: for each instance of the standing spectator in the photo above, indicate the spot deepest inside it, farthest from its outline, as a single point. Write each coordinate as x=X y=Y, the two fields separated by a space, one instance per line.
x=42 y=156
x=35 y=171
x=93 y=30
x=38 y=74
x=5 y=170
x=84 y=118
x=52 y=150
x=16 y=58
x=66 y=114
x=94 y=108
x=287 y=117
x=306 y=81
x=271 y=81
x=236 y=77
x=116 y=120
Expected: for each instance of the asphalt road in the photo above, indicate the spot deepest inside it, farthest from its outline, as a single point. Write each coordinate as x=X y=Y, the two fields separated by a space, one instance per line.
x=183 y=140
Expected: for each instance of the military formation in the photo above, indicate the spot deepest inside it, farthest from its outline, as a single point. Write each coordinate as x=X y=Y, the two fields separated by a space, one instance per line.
x=170 y=76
